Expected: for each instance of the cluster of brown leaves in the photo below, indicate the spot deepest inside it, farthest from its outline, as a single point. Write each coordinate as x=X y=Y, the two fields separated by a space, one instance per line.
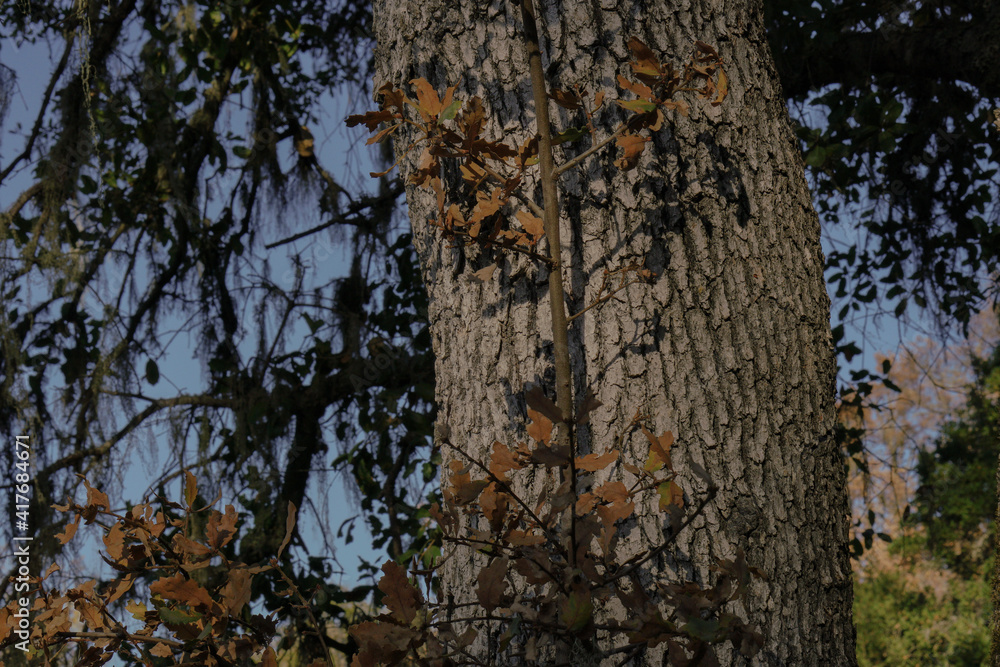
x=656 y=86
x=494 y=171
x=552 y=562
x=183 y=620
x=449 y=129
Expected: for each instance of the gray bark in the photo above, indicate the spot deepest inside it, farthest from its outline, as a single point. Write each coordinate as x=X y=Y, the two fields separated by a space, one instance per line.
x=730 y=349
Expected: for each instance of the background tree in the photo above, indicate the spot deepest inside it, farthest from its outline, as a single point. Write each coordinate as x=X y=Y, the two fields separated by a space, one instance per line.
x=896 y=124
x=729 y=349
x=144 y=226
x=921 y=599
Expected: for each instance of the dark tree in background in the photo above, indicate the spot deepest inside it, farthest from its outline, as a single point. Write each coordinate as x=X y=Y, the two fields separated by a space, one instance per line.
x=167 y=208
x=895 y=103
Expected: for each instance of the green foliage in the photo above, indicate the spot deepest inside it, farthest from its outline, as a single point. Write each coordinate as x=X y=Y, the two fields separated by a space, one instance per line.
x=900 y=624
x=958 y=487
x=950 y=538
x=896 y=137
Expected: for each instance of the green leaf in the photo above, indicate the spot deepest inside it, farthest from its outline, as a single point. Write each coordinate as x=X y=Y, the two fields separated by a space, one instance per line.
x=89 y=186
x=704 y=629
x=816 y=157
x=639 y=106
x=572 y=134
x=577 y=611
x=174 y=617
x=451 y=110
x=313 y=324
x=152 y=372
x=856 y=548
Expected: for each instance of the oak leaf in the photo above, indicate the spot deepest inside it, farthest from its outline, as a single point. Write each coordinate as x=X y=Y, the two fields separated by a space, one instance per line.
x=643 y=91
x=190 y=489
x=120 y=588
x=236 y=592
x=550 y=456
x=221 y=527
x=428 y=103
x=609 y=514
x=723 y=88
x=538 y=401
x=595 y=462
x=587 y=405
x=492 y=584
x=577 y=610
x=467 y=492
x=659 y=449
x=532 y=225
x=371 y=120
x=646 y=62
x=470 y=121
x=401 y=597
x=706 y=48
x=521 y=538
x=289 y=527
x=384 y=642
x=585 y=503
x=565 y=98
x=502 y=460
x=391 y=97
x=67 y=534
x=540 y=428
x=487 y=205
x=632 y=145
x=613 y=492
x=186 y=591
x=670 y=494
x=486 y=273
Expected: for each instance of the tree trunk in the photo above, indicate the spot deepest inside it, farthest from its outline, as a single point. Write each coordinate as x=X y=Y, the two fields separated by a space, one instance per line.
x=730 y=348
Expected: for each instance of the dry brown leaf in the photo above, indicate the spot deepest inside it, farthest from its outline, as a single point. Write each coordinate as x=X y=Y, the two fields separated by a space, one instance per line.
x=492 y=584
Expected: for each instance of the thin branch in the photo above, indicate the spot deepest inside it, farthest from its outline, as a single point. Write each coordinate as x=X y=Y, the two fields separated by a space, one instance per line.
x=320 y=633
x=353 y=209
x=155 y=406
x=513 y=550
x=496 y=176
x=624 y=572
x=115 y=635
x=602 y=299
x=46 y=98
x=509 y=246
x=558 y=171
x=21 y=200
x=506 y=488
x=557 y=299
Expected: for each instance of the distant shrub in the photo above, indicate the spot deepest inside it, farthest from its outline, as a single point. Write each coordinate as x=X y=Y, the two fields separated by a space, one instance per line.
x=898 y=623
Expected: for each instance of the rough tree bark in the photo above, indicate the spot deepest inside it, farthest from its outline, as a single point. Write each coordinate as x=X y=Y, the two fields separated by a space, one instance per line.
x=730 y=349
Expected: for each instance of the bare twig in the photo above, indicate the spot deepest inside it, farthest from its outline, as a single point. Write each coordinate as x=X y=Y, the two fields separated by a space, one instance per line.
x=629 y=569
